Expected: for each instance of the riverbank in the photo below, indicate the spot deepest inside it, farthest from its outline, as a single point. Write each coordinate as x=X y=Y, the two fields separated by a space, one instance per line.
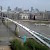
x=36 y=21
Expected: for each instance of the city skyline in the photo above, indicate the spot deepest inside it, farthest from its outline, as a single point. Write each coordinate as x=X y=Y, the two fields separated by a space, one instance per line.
x=25 y=4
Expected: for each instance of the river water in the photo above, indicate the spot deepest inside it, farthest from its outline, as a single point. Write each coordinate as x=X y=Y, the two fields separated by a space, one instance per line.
x=42 y=29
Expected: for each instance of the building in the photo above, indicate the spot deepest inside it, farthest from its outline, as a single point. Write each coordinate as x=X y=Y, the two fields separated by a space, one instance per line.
x=39 y=16
x=24 y=15
x=27 y=15
x=46 y=15
x=18 y=9
x=42 y=16
x=32 y=10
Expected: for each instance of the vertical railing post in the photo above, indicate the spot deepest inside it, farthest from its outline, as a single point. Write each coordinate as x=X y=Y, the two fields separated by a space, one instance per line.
x=15 y=27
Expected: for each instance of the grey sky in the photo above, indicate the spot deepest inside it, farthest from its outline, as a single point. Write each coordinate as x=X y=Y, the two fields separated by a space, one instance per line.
x=26 y=4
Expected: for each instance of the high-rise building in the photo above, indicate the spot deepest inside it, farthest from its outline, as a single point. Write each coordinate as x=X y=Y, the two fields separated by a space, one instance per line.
x=36 y=10
x=0 y=8
x=32 y=10
x=9 y=9
x=16 y=8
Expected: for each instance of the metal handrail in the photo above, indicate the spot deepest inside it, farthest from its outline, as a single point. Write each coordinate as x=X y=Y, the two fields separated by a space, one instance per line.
x=31 y=32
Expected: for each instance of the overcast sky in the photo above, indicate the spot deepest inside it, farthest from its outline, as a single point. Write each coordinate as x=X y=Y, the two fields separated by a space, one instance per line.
x=26 y=4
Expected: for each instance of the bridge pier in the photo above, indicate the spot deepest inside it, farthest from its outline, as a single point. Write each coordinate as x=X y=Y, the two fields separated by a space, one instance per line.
x=16 y=29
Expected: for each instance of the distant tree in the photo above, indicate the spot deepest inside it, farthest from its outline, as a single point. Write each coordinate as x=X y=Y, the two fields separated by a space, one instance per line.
x=34 y=17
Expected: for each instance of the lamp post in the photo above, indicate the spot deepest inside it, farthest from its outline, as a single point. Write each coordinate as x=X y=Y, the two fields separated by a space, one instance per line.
x=1 y=13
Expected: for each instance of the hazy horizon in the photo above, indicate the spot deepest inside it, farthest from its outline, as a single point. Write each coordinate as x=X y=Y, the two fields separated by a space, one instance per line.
x=25 y=4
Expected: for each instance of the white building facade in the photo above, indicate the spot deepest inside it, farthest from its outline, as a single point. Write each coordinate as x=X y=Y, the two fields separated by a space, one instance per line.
x=24 y=16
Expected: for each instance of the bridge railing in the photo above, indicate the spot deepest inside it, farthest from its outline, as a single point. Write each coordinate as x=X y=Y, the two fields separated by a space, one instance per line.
x=35 y=34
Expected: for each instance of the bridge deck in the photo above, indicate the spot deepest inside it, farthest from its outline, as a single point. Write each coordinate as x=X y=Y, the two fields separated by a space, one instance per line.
x=35 y=34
